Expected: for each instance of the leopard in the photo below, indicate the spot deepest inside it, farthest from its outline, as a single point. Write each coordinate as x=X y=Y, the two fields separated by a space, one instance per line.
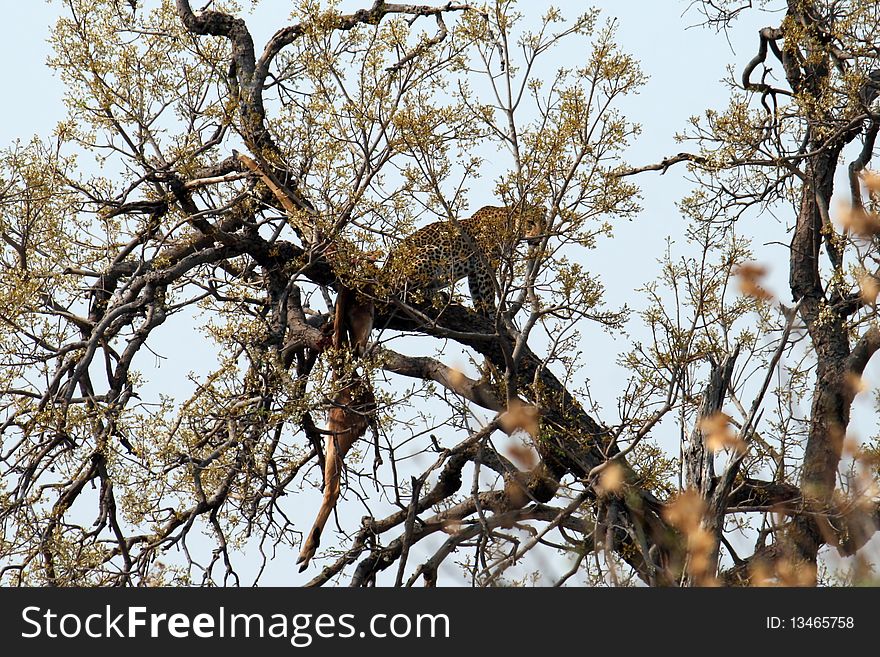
x=442 y=253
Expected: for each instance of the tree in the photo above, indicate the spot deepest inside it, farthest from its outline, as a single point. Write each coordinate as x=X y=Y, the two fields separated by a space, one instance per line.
x=204 y=183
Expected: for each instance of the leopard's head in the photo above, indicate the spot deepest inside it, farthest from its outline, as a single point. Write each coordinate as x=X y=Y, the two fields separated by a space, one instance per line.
x=532 y=223
x=527 y=220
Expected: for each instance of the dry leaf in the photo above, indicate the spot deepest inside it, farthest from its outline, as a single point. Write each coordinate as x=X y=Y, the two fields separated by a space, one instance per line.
x=869 y=458
x=870 y=288
x=523 y=416
x=760 y=575
x=523 y=455
x=749 y=276
x=612 y=478
x=856 y=383
x=685 y=512
x=791 y=574
x=851 y=446
x=700 y=545
x=718 y=435
x=517 y=490
x=456 y=377
x=859 y=221
x=871 y=180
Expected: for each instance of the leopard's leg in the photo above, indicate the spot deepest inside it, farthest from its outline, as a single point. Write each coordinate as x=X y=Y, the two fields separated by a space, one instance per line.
x=481 y=286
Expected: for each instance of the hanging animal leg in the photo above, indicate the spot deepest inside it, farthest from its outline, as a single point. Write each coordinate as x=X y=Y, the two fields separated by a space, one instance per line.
x=348 y=420
x=354 y=406
x=353 y=321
